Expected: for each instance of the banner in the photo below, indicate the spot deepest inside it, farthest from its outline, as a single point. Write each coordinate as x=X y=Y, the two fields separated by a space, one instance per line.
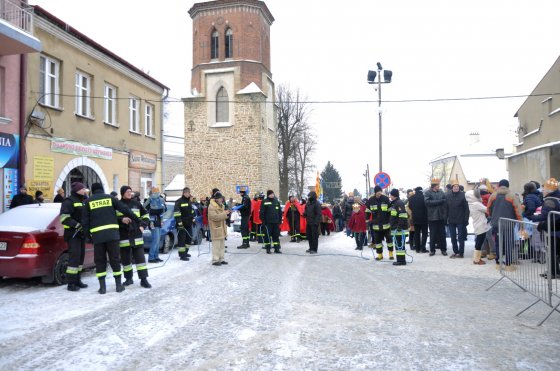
x=45 y=186
x=319 y=188
x=10 y=186
x=80 y=149
x=9 y=150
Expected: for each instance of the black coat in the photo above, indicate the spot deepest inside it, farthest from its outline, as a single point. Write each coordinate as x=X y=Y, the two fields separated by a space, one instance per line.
x=457 y=208
x=312 y=212
x=436 y=203
x=271 y=212
x=417 y=205
x=21 y=199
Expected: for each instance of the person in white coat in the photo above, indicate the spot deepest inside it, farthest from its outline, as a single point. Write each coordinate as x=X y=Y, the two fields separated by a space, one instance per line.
x=480 y=223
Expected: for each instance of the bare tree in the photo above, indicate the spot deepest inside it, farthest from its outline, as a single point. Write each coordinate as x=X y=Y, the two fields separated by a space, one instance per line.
x=305 y=146
x=293 y=114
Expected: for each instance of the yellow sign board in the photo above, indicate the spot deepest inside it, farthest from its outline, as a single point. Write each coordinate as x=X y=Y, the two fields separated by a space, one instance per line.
x=43 y=168
x=45 y=186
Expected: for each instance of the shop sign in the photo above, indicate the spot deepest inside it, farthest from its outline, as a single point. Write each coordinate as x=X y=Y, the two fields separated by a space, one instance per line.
x=9 y=150
x=142 y=160
x=80 y=149
x=45 y=186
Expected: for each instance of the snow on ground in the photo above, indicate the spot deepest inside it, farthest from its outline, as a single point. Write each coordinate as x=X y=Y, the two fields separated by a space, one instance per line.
x=292 y=311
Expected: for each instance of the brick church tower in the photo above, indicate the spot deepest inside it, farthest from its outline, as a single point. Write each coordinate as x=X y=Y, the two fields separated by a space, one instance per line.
x=230 y=124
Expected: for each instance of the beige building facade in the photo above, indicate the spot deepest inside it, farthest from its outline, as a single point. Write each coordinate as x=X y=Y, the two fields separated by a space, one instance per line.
x=537 y=153
x=230 y=126
x=92 y=116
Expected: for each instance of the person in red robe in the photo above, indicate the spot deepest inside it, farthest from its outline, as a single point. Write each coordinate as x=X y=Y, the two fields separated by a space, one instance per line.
x=256 y=218
x=327 y=220
x=292 y=219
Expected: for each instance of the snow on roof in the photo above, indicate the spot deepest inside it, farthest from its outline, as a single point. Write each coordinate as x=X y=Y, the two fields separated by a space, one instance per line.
x=476 y=167
x=250 y=89
x=177 y=184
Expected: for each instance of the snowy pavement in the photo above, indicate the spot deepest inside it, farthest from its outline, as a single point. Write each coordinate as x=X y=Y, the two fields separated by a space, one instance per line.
x=293 y=311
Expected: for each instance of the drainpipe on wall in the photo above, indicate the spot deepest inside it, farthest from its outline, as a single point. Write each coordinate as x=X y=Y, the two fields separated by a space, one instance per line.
x=161 y=137
x=22 y=119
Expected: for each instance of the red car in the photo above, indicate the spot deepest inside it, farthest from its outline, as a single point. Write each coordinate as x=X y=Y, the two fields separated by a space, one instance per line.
x=32 y=244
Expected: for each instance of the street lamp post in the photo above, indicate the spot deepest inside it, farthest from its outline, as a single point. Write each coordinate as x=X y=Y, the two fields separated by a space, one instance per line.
x=387 y=74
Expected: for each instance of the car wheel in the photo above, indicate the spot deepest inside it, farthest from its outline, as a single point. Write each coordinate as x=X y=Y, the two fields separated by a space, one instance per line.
x=59 y=271
x=168 y=243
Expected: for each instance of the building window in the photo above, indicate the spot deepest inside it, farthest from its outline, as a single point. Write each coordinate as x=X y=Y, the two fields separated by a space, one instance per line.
x=229 y=43
x=49 y=84
x=214 y=45
x=133 y=106
x=222 y=106
x=83 y=89
x=110 y=109
x=149 y=120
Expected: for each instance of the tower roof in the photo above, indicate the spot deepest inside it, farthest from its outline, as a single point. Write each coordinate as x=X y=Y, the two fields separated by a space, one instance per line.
x=217 y=4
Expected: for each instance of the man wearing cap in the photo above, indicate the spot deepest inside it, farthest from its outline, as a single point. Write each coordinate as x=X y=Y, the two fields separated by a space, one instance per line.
x=99 y=219
x=378 y=207
x=59 y=195
x=184 y=217
x=22 y=198
x=551 y=202
x=71 y=219
x=245 y=212
x=436 y=206
x=457 y=219
x=131 y=238
x=217 y=216
x=417 y=206
x=271 y=216
x=503 y=204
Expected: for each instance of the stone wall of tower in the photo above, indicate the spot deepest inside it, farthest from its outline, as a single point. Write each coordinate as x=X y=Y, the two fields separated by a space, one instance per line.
x=243 y=154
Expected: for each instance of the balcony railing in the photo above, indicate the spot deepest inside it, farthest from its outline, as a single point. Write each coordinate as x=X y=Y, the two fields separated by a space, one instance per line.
x=17 y=13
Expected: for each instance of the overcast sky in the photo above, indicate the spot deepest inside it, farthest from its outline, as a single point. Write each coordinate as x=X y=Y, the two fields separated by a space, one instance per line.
x=436 y=50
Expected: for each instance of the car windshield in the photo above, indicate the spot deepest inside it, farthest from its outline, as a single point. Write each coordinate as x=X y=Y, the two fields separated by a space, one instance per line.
x=169 y=213
x=36 y=217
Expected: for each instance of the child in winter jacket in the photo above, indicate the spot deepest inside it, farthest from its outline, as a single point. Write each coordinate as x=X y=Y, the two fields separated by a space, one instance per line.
x=357 y=225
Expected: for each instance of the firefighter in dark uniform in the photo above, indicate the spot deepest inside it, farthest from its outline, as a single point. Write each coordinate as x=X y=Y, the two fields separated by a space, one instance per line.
x=399 y=225
x=378 y=207
x=132 y=239
x=245 y=212
x=71 y=220
x=99 y=219
x=271 y=216
x=184 y=216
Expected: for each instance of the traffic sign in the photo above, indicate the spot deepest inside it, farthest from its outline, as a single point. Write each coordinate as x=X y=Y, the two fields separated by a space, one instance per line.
x=382 y=179
x=239 y=188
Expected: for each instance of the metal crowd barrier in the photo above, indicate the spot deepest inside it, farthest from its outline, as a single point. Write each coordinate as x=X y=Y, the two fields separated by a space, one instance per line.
x=524 y=259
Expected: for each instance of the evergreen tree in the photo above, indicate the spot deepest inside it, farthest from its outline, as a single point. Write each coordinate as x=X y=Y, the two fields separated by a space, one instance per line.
x=357 y=193
x=332 y=183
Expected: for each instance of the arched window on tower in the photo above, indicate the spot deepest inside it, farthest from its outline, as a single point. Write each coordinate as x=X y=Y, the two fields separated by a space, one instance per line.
x=229 y=43
x=222 y=106
x=214 y=45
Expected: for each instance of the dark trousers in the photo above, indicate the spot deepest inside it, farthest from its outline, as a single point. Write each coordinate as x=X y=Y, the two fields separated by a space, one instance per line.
x=506 y=246
x=400 y=245
x=245 y=228
x=411 y=240
x=460 y=230
x=554 y=265
x=100 y=253
x=272 y=236
x=184 y=235
x=139 y=259
x=379 y=236
x=437 y=235
x=360 y=239
x=313 y=237
x=77 y=253
x=420 y=237
x=293 y=223
x=325 y=229
x=479 y=241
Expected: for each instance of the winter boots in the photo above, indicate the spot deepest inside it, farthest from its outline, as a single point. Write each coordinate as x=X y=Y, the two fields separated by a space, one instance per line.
x=120 y=287
x=268 y=250
x=128 y=276
x=277 y=250
x=391 y=256
x=72 y=286
x=183 y=254
x=379 y=257
x=80 y=284
x=102 y=287
x=144 y=283
x=244 y=245
x=477 y=258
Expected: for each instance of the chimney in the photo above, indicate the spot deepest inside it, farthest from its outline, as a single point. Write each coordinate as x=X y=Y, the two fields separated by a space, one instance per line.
x=474 y=138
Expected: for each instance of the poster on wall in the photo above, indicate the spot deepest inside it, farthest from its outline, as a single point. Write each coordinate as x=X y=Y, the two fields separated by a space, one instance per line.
x=43 y=168
x=45 y=186
x=10 y=186
x=9 y=150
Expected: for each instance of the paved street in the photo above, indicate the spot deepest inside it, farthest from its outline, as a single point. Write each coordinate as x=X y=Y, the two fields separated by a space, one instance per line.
x=285 y=312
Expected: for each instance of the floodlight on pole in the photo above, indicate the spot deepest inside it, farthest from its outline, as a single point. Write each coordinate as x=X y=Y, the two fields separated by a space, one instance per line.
x=387 y=75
